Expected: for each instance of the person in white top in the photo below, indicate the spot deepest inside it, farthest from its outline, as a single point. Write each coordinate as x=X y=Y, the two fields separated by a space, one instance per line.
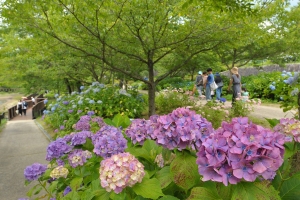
x=33 y=100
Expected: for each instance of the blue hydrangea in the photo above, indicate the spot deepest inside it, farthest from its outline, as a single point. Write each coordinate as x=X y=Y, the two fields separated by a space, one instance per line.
x=57 y=148
x=99 y=101
x=81 y=87
x=91 y=101
x=68 y=189
x=96 y=90
x=56 y=95
x=80 y=102
x=34 y=171
x=272 y=87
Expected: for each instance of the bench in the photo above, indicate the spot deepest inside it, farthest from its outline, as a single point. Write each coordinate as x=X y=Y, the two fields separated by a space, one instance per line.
x=2 y=117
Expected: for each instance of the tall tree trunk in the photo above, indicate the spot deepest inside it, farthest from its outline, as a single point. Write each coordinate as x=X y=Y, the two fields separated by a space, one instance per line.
x=68 y=85
x=78 y=84
x=151 y=90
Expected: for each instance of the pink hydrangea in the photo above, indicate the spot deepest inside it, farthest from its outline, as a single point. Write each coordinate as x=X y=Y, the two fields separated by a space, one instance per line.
x=240 y=151
x=290 y=128
x=120 y=171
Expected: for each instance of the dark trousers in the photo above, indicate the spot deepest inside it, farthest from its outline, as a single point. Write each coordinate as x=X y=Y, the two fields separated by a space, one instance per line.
x=24 y=111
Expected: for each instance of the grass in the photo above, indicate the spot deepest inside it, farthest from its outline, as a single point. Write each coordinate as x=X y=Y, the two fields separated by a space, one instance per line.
x=46 y=127
x=3 y=124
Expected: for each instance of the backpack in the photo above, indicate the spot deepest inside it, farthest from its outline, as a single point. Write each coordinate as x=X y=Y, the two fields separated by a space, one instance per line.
x=199 y=83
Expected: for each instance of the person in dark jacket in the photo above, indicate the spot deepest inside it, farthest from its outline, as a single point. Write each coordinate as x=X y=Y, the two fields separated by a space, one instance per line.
x=220 y=84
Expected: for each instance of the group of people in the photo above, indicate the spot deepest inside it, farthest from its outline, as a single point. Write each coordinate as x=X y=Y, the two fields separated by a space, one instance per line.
x=212 y=84
x=22 y=106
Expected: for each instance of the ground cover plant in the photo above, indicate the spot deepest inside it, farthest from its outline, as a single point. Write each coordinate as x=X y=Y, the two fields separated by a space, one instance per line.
x=97 y=98
x=175 y=156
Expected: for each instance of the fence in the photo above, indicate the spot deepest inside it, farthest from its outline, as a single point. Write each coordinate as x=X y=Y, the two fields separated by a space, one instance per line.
x=12 y=110
x=39 y=107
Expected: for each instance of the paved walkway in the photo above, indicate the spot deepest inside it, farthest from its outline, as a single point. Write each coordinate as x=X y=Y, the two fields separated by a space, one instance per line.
x=21 y=144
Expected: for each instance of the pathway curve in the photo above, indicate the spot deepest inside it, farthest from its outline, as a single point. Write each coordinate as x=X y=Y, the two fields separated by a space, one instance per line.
x=21 y=144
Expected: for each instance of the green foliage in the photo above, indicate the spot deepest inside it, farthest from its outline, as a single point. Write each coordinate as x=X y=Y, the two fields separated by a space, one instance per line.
x=108 y=103
x=168 y=101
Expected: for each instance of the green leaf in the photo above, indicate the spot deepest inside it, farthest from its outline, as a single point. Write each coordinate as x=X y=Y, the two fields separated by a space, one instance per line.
x=73 y=195
x=87 y=195
x=290 y=188
x=118 y=120
x=148 y=188
x=29 y=193
x=184 y=171
x=75 y=183
x=109 y=122
x=273 y=122
x=289 y=150
x=164 y=177
x=140 y=152
x=168 y=197
x=53 y=186
x=120 y=196
x=254 y=190
x=199 y=193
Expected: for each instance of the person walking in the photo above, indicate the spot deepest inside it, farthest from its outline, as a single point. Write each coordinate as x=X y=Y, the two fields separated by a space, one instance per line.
x=19 y=107
x=33 y=100
x=210 y=80
x=235 y=84
x=199 y=83
x=220 y=84
x=24 y=107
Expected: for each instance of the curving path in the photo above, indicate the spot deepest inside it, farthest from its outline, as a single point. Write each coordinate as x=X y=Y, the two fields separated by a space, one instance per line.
x=21 y=144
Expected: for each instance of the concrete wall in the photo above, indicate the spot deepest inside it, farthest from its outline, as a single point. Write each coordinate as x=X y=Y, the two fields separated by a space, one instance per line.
x=255 y=70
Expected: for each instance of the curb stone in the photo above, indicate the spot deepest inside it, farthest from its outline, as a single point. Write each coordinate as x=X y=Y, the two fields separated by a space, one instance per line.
x=44 y=131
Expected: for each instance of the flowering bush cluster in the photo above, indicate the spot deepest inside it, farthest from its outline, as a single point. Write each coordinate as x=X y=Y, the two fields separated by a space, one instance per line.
x=289 y=127
x=96 y=99
x=180 y=129
x=34 y=171
x=240 y=150
x=120 y=171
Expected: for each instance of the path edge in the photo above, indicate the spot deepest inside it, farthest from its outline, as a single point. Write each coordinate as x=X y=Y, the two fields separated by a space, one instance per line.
x=44 y=131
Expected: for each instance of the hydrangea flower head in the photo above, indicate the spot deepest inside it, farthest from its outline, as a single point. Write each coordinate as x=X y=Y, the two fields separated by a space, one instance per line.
x=120 y=171
x=67 y=189
x=57 y=148
x=138 y=131
x=109 y=141
x=59 y=171
x=65 y=102
x=181 y=129
x=290 y=128
x=81 y=87
x=80 y=137
x=240 y=150
x=34 y=171
x=78 y=157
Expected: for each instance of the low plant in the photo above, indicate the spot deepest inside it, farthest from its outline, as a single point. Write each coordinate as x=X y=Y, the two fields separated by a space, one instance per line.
x=173 y=156
x=170 y=99
x=95 y=99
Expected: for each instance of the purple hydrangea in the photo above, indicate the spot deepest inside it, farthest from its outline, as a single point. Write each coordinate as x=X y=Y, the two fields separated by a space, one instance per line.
x=99 y=121
x=90 y=113
x=60 y=162
x=181 y=129
x=62 y=127
x=240 y=150
x=109 y=141
x=67 y=190
x=34 y=171
x=70 y=111
x=65 y=102
x=290 y=128
x=80 y=137
x=137 y=131
x=57 y=148
x=78 y=157
x=79 y=111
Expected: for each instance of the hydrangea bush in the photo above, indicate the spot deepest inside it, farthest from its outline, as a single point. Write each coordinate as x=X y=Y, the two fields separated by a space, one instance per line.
x=174 y=156
x=96 y=99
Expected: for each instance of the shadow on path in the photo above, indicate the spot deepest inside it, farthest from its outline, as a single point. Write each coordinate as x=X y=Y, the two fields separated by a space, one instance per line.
x=21 y=144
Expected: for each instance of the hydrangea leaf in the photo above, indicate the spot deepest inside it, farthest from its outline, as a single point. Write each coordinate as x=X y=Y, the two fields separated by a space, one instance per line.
x=99 y=192
x=168 y=197
x=87 y=195
x=73 y=195
x=224 y=191
x=148 y=188
x=76 y=182
x=291 y=188
x=184 y=171
x=273 y=122
x=152 y=148
x=203 y=193
x=254 y=190
x=140 y=152
x=164 y=177
x=121 y=120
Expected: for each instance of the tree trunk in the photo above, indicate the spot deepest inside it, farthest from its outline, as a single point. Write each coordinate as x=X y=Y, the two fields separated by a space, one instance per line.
x=68 y=85
x=151 y=89
x=151 y=99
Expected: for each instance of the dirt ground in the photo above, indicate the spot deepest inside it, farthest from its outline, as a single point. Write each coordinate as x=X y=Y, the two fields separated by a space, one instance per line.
x=8 y=100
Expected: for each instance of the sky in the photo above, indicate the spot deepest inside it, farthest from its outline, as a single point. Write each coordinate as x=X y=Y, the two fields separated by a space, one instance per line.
x=294 y=2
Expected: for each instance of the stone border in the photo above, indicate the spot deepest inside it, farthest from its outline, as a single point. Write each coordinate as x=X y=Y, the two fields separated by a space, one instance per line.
x=44 y=131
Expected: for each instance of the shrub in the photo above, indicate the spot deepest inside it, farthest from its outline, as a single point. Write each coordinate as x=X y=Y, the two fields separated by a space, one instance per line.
x=166 y=101
x=96 y=99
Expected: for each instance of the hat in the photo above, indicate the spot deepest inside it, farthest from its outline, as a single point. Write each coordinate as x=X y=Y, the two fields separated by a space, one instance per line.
x=200 y=72
x=235 y=70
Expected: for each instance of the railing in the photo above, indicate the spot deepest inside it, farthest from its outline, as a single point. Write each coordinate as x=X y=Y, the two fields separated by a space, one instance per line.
x=39 y=107
x=12 y=111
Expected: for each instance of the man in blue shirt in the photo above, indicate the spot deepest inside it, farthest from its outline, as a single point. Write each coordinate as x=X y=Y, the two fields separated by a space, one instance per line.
x=210 y=79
